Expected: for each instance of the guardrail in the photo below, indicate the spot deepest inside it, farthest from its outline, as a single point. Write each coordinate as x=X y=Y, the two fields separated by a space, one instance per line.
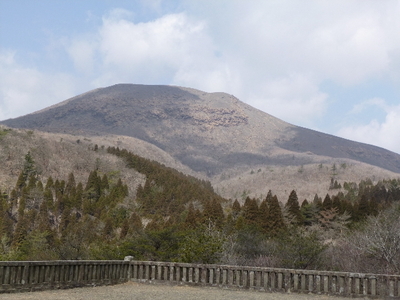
x=269 y=279
x=21 y=276
x=28 y=276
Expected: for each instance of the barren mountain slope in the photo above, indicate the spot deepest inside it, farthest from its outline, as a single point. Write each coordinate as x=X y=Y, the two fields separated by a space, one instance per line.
x=213 y=135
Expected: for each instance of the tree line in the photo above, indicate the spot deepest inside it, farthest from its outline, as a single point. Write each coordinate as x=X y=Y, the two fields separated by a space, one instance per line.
x=176 y=217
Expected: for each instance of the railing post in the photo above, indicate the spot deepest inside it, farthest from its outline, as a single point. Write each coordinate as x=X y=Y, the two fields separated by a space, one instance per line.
x=391 y=287
x=224 y=276
x=266 y=280
x=245 y=274
x=212 y=280
x=280 y=281
x=357 y=286
x=230 y=277
x=239 y=278
x=258 y=280
x=349 y=283
x=288 y=280
x=171 y=272
x=184 y=274
x=196 y=274
x=295 y=282
x=218 y=276
x=251 y=277
x=373 y=287
x=317 y=283
x=310 y=283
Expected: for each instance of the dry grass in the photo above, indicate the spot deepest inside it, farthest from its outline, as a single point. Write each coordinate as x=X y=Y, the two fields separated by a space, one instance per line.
x=306 y=180
x=57 y=155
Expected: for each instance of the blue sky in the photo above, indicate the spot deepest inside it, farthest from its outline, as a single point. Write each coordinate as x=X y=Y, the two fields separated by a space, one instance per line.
x=332 y=66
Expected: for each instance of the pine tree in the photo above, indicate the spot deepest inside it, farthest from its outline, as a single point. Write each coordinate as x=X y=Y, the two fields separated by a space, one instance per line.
x=277 y=223
x=21 y=181
x=264 y=216
x=363 y=208
x=49 y=183
x=251 y=212
x=236 y=209
x=191 y=220
x=104 y=182
x=29 y=166
x=71 y=185
x=327 y=203
x=293 y=207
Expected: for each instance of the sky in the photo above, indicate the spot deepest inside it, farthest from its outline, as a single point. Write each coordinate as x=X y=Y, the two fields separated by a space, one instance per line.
x=331 y=66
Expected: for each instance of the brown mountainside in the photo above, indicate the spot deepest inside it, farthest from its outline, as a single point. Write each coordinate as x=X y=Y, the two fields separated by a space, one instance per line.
x=241 y=149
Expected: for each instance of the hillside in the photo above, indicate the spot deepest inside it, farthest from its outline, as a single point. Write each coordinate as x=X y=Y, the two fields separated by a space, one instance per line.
x=215 y=136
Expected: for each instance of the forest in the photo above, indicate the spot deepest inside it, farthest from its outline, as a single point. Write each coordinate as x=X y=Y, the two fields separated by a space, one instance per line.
x=176 y=217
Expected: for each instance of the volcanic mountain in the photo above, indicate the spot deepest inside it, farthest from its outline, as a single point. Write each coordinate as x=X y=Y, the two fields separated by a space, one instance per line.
x=214 y=134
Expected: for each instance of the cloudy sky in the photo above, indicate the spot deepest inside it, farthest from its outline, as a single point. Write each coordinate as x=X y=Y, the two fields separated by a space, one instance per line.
x=332 y=66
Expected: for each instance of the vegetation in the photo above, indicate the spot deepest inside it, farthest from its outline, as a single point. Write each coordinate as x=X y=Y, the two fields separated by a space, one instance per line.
x=175 y=217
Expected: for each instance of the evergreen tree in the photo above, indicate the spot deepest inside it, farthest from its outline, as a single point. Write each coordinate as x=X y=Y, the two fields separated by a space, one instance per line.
x=251 y=212
x=49 y=183
x=70 y=186
x=236 y=209
x=192 y=219
x=104 y=182
x=264 y=216
x=277 y=223
x=363 y=208
x=327 y=203
x=29 y=166
x=293 y=207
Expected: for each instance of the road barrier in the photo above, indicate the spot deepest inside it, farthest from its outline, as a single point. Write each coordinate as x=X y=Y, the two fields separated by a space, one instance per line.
x=39 y=275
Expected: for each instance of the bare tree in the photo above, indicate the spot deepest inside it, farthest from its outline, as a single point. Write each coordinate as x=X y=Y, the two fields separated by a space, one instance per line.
x=379 y=240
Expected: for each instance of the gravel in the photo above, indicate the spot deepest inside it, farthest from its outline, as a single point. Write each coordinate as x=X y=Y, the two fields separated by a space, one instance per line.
x=137 y=291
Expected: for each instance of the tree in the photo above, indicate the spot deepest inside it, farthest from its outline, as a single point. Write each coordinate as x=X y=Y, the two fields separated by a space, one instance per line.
x=192 y=219
x=277 y=223
x=264 y=216
x=203 y=245
x=236 y=209
x=380 y=240
x=298 y=249
x=327 y=203
x=251 y=212
x=292 y=205
x=29 y=166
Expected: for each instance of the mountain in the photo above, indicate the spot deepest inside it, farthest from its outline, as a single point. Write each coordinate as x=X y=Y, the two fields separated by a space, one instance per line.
x=215 y=136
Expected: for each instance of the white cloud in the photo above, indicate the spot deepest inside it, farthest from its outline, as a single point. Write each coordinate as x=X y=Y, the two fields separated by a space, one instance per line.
x=82 y=53
x=270 y=54
x=384 y=134
x=295 y=98
x=374 y=102
x=24 y=90
x=265 y=42
x=153 y=52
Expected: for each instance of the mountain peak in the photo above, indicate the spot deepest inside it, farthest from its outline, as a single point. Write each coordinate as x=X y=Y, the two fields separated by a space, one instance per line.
x=211 y=133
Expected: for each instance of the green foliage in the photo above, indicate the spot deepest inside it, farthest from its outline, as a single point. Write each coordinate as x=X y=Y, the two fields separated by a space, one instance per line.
x=160 y=244
x=174 y=217
x=203 y=245
x=299 y=249
x=165 y=189
x=293 y=207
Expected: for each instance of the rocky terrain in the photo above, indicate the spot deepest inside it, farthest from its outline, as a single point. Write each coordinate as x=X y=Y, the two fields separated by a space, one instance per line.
x=215 y=136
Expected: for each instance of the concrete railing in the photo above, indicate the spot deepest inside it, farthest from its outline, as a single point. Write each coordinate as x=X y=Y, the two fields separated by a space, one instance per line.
x=27 y=276
x=269 y=279
x=20 y=276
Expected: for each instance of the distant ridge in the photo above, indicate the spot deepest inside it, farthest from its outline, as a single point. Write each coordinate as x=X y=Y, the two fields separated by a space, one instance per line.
x=214 y=134
x=205 y=131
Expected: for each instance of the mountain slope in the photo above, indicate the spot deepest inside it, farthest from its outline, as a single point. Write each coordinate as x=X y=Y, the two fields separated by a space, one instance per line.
x=211 y=133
